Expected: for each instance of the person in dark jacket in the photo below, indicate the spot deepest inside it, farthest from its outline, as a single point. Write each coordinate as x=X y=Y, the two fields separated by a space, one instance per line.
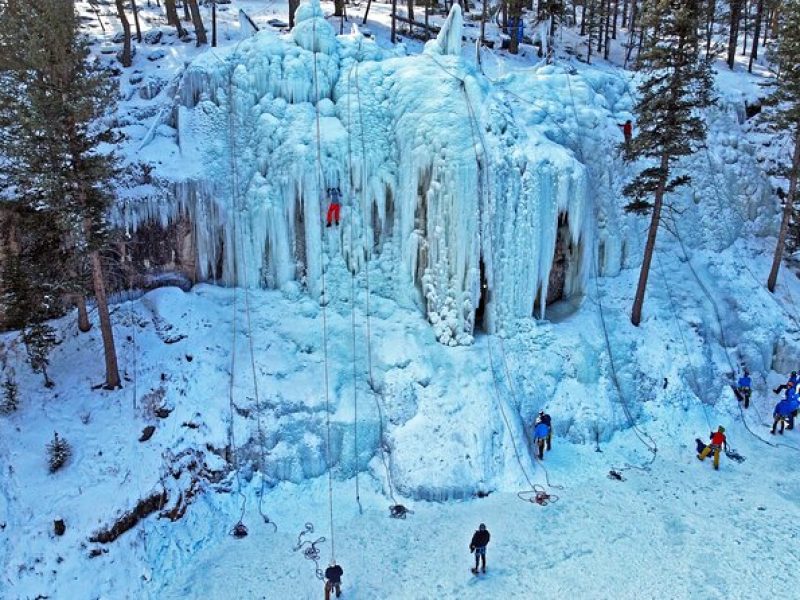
x=333 y=576
x=744 y=388
x=480 y=539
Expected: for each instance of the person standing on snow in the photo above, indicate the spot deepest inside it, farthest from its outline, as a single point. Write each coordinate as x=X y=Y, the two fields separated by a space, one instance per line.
x=480 y=539
x=544 y=418
x=744 y=387
x=335 y=206
x=718 y=442
x=785 y=411
x=333 y=575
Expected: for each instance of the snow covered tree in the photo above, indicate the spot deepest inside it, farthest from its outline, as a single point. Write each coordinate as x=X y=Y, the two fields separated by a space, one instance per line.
x=39 y=340
x=53 y=102
x=677 y=82
x=58 y=453
x=10 y=400
x=785 y=115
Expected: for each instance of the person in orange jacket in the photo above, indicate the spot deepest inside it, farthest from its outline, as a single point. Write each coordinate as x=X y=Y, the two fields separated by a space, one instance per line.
x=718 y=442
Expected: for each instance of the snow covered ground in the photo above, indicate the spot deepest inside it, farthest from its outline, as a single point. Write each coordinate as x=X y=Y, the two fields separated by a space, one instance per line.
x=453 y=418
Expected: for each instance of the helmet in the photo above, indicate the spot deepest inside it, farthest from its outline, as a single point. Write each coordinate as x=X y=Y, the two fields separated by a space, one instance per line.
x=721 y=429
x=482 y=527
x=746 y=372
x=541 y=413
x=333 y=563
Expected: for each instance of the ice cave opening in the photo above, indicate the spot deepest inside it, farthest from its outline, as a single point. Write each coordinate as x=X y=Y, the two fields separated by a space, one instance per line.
x=559 y=302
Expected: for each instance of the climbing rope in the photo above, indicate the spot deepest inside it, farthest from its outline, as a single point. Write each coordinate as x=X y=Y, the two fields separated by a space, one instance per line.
x=477 y=137
x=323 y=298
x=353 y=287
x=377 y=394
x=240 y=530
x=309 y=548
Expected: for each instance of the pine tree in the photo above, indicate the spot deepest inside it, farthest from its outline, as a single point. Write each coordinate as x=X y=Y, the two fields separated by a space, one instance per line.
x=58 y=453
x=785 y=115
x=39 y=340
x=678 y=82
x=53 y=102
x=10 y=400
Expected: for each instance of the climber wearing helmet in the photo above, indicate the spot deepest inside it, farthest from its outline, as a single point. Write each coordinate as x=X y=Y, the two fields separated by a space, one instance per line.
x=542 y=433
x=718 y=442
x=480 y=539
x=335 y=207
x=333 y=576
x=785 y=386
x=744 y=388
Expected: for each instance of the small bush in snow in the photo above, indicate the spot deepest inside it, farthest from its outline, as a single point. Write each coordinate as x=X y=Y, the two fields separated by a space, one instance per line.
x=58 y=453
x=10 y=400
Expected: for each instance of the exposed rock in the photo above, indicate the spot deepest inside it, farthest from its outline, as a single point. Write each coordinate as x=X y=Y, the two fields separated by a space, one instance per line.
x=147 y=433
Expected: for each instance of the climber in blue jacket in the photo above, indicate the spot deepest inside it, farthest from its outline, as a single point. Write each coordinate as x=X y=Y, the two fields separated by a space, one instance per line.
x=793 y=398
x=744 y=388
x=783 y=413
x=541 y=433
x=789 y=384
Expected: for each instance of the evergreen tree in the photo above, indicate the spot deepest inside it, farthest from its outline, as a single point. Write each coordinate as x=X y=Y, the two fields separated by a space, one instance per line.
x=53 y=102
x=677 y=82
x=785 y=115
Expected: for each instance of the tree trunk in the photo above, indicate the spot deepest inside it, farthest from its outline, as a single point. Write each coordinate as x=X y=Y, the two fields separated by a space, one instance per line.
x=583 y=18
x=787 y=213
x=83 y=315
x=197 y=21
x=744 y=44
x=293 y=4
x=98 y=280
x=484 y=16
x=366 y=12
x=733 y=34
x=608 y=29
x=394 y=21
x=338 y=8
x=410 y=5
x=136 y=21
x=624 y=12
x=756 y=35
x=214 y=23
x=125 y=58
x=650 y=245
x=186 y=16
x=600 y=14
x=172 y=17
x=614 y=20
x=710 y=17
x=514 y=14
